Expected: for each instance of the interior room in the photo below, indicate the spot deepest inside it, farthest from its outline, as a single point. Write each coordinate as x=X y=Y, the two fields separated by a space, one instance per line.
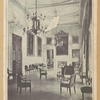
x=49 y=47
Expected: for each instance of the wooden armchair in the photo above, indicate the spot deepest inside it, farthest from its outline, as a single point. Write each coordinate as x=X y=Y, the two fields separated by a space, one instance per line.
x=59 y=75
x=43 y=72
x=36 y=67
x=87 y=88
x=27 y=69
x=23 y=83
x=31 y=68
x=68 y=83
x=10 y=74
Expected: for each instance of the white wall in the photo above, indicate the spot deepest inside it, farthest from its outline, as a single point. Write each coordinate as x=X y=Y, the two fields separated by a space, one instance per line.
x=19 y=15
x=15 y=26
x=91 y=49
x=72 y=30
x=27 y=60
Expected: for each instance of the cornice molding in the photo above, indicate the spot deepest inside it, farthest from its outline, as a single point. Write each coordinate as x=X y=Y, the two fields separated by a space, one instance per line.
x=19 y=5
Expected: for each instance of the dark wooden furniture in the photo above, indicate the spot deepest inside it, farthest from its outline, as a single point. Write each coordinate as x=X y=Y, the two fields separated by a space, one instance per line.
x=59 y=75
x=86 y=89
x=68 y=83
x=10 y=74
x=67 y=70
x=23 y=83
x=36 y=67
x=43 y=72
x=83 y=76
x=31 y=67
x=50 y=66
x=27 y=69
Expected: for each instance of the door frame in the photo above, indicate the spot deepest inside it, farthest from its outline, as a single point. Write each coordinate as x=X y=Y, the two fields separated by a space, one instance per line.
x=15 y=67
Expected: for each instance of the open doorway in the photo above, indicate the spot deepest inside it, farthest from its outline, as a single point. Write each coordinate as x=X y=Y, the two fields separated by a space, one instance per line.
x=50 y=58
x=17 y=54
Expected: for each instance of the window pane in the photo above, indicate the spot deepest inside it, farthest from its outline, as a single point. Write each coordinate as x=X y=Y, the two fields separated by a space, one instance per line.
x=30 y=44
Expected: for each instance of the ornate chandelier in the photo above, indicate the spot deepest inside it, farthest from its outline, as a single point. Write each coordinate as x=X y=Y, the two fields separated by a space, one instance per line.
x=57 y=40
x=34 y=25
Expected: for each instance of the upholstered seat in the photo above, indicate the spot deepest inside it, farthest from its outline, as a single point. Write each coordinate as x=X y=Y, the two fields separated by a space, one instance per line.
x=43 y=72
x=68 y=83
x=65 y=81
x=23 y=83
x=86 y=89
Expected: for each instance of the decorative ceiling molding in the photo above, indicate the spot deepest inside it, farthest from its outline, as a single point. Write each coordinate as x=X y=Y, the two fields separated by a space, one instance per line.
x=18 y=4
x=66 y=1
x=70 y=23
x=76 y=13
x=45 y=6
x=70 y=15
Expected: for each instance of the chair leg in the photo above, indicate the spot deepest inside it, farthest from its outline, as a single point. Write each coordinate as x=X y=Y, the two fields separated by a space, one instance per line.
x=74 y=90
x=25 y=89
x=46 y=76
x=20 y=89
x=82 y=80
x=67 y=89
x=70 y=90
x=82 y=96
x=60 y=90
x=40 y=76
x=30 y=89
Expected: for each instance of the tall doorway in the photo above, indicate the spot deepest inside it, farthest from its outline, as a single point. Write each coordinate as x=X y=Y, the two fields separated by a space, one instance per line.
x=50 y=59
x=17 y=54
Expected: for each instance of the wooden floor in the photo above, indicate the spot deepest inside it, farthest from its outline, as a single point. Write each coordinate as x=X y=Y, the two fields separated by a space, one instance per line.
x=48 y=89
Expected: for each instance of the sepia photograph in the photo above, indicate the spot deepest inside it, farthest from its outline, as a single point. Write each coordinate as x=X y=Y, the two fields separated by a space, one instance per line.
x=49 y=50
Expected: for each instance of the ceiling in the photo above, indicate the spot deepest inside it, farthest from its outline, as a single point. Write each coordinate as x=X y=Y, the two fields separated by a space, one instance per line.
x=67 y=10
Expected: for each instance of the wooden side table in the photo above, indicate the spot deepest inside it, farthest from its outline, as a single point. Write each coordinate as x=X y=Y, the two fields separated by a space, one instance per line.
x=85 y=89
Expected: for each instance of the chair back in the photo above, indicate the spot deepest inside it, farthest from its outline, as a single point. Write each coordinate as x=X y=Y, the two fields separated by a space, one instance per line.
x=72 y=80
x=30 y=67
x=26 y=67
x=41 y=64
x=8 y=71
x=67 y=70
x=89 y=81
x=36 y=66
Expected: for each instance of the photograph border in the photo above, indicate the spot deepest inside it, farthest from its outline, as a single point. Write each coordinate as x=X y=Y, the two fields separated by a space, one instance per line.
x=3 y=94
